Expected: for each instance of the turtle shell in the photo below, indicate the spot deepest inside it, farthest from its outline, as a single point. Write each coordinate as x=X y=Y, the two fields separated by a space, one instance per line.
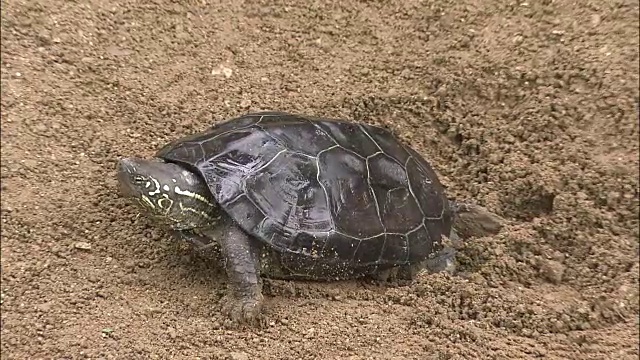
x=321 y=188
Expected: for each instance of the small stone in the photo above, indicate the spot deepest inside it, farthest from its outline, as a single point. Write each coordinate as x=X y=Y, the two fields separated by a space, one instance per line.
x=558 y=326
x=518 y=39
x=558 y=256
x=477 y=279
x=552 y=270
x=613 y=197
x=498 y=252
x=222 y=70
x=116 y=51
x=82 y=245
x=238 y=356
x=583 y=325
x=44 y=307
x=245 y=103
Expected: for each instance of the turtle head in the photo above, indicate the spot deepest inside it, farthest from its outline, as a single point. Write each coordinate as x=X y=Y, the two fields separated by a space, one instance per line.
x=168 y=193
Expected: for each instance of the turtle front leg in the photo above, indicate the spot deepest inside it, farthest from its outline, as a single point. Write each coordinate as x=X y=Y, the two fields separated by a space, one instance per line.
x=444 y=260
x=244 y=299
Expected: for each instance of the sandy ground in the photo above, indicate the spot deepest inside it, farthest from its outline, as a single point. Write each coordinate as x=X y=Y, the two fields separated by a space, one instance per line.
x=530 y=108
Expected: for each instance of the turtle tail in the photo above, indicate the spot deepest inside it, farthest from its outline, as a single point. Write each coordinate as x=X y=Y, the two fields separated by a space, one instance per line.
x=472 y=220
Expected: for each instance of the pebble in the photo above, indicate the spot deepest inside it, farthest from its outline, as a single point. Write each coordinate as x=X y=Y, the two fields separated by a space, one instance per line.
x=238 y=356
x=518 y=39
x=44 y=307
x=222 y=70
x=116 y=51
x=82 y=245
x=552 y=270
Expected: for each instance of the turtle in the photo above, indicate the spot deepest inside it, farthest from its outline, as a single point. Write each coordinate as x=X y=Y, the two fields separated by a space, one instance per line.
x=299 y=197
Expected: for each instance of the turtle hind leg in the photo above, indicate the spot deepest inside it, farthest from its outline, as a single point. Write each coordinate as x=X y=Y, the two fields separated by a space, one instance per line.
x=442 y=261
x=470 y=220
x=406 y=274
x=244 y=299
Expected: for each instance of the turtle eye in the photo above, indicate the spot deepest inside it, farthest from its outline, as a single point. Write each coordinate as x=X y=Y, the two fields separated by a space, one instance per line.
x=138 y=179
x=165 y=203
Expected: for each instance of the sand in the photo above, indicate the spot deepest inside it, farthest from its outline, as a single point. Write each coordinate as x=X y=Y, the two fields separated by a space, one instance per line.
x=528 y=108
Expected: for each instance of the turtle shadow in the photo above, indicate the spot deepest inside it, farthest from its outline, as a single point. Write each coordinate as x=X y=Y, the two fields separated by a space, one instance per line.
x=202 y=265
x=207 y=266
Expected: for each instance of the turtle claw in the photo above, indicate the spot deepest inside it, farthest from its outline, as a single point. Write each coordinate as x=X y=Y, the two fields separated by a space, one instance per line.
x=242 y=310
x=442 y=261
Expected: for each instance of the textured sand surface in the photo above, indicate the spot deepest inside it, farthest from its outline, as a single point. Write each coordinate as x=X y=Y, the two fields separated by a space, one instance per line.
x=530 y=108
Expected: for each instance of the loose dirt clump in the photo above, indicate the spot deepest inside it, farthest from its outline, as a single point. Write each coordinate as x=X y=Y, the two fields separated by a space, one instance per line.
x=529 y=108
